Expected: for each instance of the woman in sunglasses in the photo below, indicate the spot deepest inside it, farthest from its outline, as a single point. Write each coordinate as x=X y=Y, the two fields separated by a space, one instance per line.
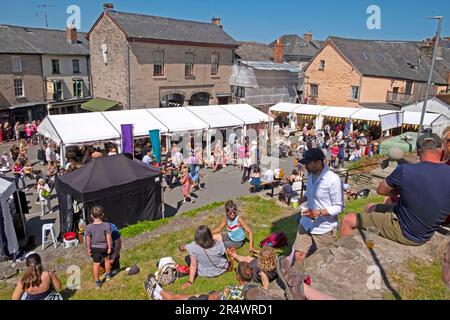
x=236 y=229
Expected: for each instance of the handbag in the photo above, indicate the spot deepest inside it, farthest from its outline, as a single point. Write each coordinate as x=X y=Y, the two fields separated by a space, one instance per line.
x=229 y=267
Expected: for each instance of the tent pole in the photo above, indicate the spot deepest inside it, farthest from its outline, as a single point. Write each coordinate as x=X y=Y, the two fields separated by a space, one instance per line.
x=63 y=155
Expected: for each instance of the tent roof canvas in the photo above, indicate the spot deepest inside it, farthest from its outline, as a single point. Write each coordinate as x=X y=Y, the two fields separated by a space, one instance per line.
x=178 y=119
x=246 y=113
x=142 y=121
x=309 y=109
x=106 y=176
x=7 y=188
x=77 y=128
x=216 y=116
x=339 y=112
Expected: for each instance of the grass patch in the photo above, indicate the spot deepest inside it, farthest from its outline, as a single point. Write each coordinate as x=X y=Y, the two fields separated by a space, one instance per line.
x=147 y=226
x=426 y=285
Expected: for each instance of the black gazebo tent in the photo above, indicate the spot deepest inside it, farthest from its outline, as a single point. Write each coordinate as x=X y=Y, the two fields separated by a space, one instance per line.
x=128 y=190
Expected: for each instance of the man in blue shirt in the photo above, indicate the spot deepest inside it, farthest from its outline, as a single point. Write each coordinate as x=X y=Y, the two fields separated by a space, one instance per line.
x=423 y=203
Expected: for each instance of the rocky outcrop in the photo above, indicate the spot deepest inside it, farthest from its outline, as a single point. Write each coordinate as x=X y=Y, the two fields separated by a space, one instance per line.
x=349 y=270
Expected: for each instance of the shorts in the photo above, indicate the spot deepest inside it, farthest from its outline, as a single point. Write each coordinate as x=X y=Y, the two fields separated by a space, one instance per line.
x=387 y=224
x=99 y=254
x=305 y=240
x=228 y=243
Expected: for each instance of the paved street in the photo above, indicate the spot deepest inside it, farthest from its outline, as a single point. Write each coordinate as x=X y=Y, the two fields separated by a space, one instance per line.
x=220 y=186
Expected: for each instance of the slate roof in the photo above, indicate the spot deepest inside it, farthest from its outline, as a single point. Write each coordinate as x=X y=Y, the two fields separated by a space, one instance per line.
x=16 y=39
x=271 y=66
x=390 y=59
x=152 y=27
x=254 y=51
x=297 y=46
x=12 y=43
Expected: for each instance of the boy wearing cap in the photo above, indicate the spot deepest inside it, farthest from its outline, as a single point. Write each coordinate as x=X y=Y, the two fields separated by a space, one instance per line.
x=424 y=202
x=324 y=201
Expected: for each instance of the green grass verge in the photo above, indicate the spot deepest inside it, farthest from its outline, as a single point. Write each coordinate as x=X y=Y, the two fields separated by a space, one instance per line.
x=426 y=285
x=147 y=226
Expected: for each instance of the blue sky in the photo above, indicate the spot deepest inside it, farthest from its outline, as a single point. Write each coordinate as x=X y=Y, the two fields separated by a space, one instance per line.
x=257 y=20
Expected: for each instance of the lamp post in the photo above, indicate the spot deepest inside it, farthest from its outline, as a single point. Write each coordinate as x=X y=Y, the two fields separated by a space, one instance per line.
x=436 y=44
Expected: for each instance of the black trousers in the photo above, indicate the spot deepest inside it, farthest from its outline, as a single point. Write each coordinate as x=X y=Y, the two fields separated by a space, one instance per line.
x=246 y=174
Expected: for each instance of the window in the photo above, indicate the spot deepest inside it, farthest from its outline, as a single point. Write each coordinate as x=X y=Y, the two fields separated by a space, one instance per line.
x=57 y=90
x=408 y=88
x=55 y=66
x=78 y=88
x=158 y=63
x=214 y=64
x=355 y=93
x=76 y=66
x=314 y=90
x=18 y=88
x=322 y=65
x=189 y=65
x=16 y=64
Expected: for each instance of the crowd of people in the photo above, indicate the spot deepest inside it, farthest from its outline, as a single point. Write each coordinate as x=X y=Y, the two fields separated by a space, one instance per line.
x=337 y=142
x=417 y=203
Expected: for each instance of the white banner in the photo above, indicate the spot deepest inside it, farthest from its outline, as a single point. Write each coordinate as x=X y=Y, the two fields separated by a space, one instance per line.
x=391 y=120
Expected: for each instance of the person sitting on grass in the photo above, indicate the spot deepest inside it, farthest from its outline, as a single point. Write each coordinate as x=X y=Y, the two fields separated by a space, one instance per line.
x=264 y=267
x=236 y=229
x=99 y=244
x=424 y=202
x=37 y=284
x=295 y=288
x=206 y=256
x=244 y=274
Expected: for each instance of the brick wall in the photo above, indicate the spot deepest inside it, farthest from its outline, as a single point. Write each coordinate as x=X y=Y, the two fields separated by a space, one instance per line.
x=109 y=81
x=31 y=75
x=335 y=80
x=147 y=89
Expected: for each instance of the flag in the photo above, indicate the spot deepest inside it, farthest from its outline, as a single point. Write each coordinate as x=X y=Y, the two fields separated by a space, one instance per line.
x=156 y=144
x=127 y=138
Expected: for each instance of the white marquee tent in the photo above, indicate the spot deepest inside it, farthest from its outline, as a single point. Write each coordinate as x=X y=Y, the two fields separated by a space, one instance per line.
x=82 y=128
x=141 y=119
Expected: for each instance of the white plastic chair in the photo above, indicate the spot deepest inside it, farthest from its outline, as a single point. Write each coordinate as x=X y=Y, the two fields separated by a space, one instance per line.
x=48 y=227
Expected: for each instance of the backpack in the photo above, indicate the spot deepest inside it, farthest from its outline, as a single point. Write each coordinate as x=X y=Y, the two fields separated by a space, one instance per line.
x=274 y=240
x=167 y=271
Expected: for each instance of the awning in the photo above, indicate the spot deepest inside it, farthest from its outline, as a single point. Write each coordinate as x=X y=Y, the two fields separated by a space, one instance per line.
x=26 y=105
x=223 y=94
x=310 y=109
x=99 y=104
x=178 y=119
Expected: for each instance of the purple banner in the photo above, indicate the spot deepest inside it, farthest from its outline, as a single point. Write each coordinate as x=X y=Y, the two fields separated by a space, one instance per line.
x=127 y=138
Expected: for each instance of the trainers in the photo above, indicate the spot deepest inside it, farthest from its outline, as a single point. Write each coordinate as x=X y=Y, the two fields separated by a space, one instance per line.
x=293 y=281
x=150 y=286
x=98 y=284
x=107 y=277
x=115 y=271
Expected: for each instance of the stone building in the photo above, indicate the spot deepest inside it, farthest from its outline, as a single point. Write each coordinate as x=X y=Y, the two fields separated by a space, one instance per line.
x=351 y=72
x=146 y=61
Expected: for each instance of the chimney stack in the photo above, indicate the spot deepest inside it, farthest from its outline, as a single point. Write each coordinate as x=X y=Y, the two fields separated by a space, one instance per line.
x=427 y=48
x=278 y=51
x=308 y=36
x=108 y=6
x=216 y=21
x=71 y=36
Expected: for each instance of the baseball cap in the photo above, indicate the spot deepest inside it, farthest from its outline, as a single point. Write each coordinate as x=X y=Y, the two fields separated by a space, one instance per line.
x=314 y=154
x=428 y=140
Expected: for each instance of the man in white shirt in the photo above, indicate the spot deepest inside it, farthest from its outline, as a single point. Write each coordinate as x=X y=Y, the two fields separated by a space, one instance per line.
x=49 y=153
x=324 y=201
x=147 y=158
